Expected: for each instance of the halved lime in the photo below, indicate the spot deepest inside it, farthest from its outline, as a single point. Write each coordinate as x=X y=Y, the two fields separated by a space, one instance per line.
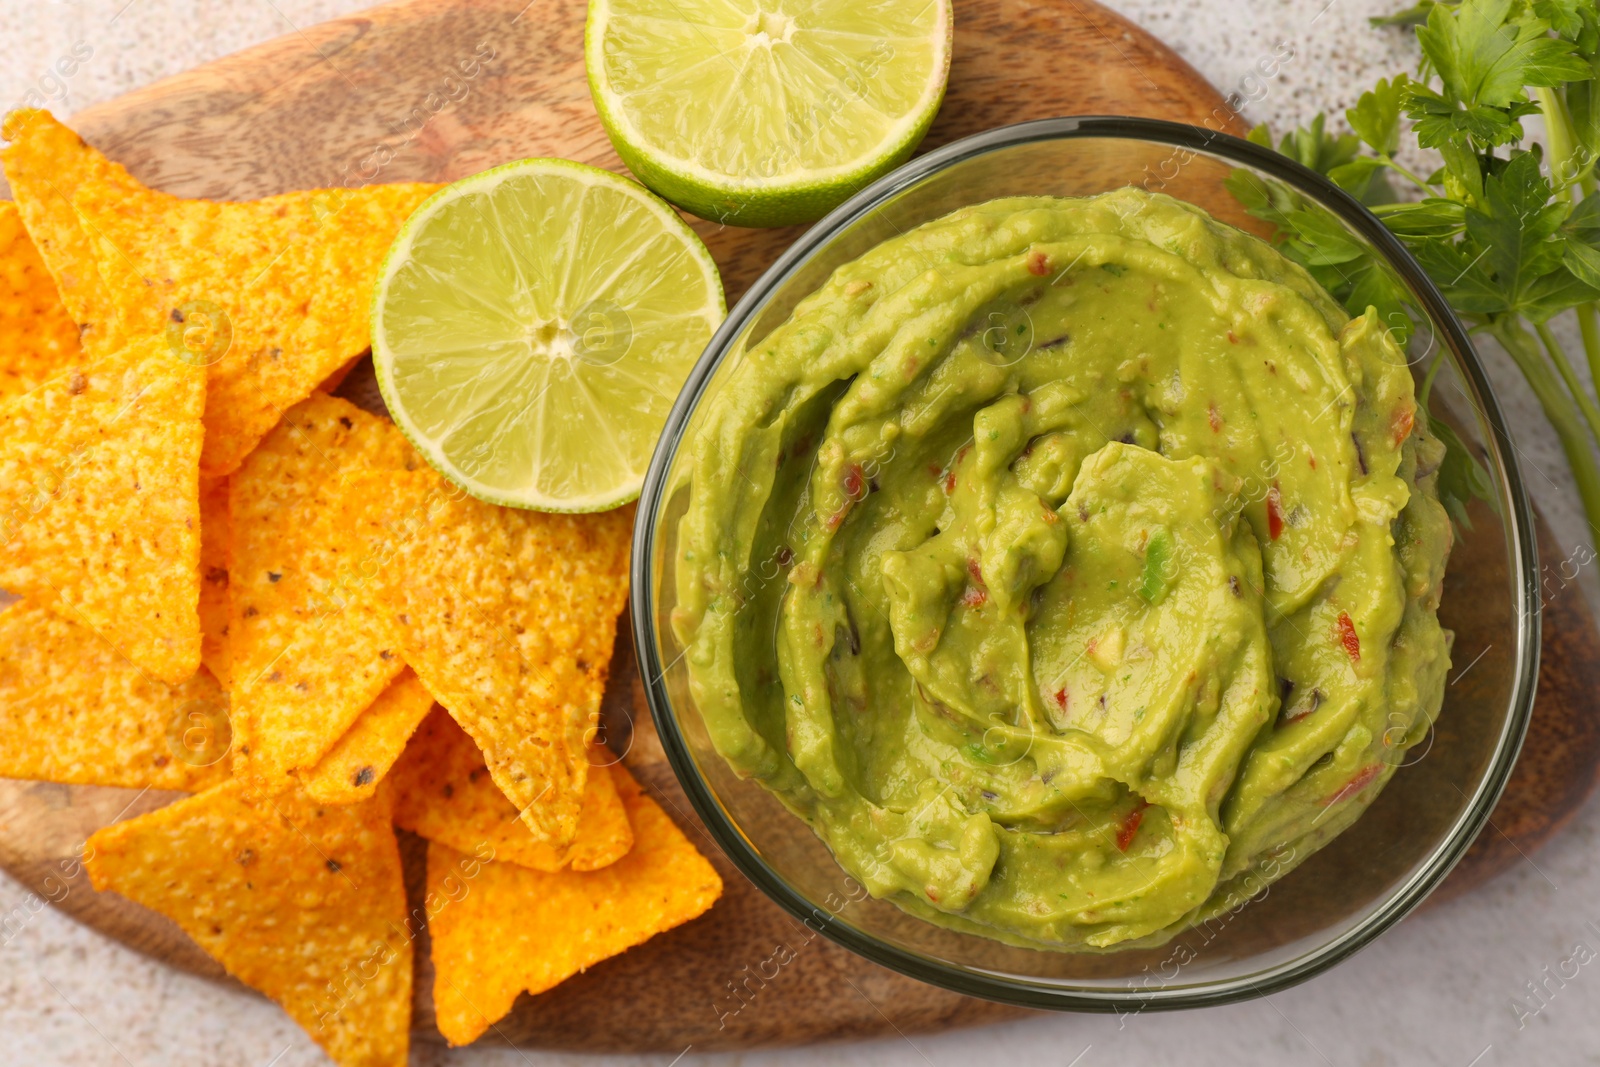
x=765 y=112
x=532 y=326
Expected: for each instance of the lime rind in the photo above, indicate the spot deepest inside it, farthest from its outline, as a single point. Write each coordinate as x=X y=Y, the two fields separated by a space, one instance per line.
x=479 y=349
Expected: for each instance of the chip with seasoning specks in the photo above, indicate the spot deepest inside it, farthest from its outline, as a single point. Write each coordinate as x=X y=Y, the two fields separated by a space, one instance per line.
x=300 y=900
x=218 y=579
x=72 y=710
x=501 y=928
x=99 y=503
x=441 y=790
x=508 y=618
x=308 y=654
x=270 y=296
x=353 y=768
x=216 y=536
x=37 y=336
x=45 y=164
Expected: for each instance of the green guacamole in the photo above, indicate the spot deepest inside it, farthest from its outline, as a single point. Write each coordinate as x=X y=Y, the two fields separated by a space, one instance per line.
x=1064 y=562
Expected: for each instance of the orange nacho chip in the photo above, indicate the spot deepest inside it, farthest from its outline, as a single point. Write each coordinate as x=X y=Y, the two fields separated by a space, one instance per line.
x=73 y=711
x=308 y=657
x=37 y=336
x=331 y=383
x=99 y=508
x=353 y=768
x=45 y=164
x=441 y=790
x=301 y=901
x=515 y=929
x=270 y=295
x=508 y=618
x=216 y=535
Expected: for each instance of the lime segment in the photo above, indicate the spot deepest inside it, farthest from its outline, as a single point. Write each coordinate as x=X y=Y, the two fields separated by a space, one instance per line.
x=764 y=112
x=532 y=326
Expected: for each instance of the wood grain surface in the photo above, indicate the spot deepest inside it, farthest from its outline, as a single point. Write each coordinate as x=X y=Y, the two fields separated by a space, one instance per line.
x=426 y=89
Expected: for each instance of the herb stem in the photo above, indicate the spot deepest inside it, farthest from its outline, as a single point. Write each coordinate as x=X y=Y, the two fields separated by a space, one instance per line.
x=1425 y=390
x=1570 y=170
x=1560 y=140
x=1560 y=409
x=1406 y=172
x=1589 y=329
x=1558 y=356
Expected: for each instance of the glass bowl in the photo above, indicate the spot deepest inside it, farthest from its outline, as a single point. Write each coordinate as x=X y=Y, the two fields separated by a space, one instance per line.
x=1343 y=896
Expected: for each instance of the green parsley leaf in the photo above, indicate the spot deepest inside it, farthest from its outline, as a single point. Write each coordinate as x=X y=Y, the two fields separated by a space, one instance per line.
x=1516 y=225
x=1458 y=271
x=1312 y=146
x=1585 y=218
x=1583 y=260
x=1431 y=217
x=1554 y=293
x=1322 y=239
x=1376 y=116
x=1355 y=177
x=1379 y=288
x=1484 y=60
x=1564 y=16
x=1461 y=475
x=1270 y=202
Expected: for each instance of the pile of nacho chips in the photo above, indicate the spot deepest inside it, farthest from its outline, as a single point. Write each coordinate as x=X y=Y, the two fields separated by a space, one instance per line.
x=231 y=583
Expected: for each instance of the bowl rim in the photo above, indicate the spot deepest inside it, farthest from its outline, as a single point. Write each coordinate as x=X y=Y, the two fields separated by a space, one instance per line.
x=1012 y=989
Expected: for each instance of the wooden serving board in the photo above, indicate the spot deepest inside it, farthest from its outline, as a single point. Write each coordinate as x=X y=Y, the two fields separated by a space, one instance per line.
x=436 y=90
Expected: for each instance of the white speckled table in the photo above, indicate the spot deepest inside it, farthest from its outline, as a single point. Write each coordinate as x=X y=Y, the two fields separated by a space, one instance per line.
x=1508 y=975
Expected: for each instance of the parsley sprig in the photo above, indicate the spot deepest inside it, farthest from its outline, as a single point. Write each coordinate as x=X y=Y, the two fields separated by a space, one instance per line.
x=1508 y=228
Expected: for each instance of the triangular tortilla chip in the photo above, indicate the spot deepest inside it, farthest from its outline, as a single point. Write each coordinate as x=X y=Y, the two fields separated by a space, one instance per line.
x=74 y=711
x=331 y=383
x=353 y=768
x=516 y=929
x=308 y=656
x=216 y=536
x=45 y=164
x=271 y=295
x=297 y=899
x=37 y=336
x=99 y=503
x=508 y=617
x=441 y=790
